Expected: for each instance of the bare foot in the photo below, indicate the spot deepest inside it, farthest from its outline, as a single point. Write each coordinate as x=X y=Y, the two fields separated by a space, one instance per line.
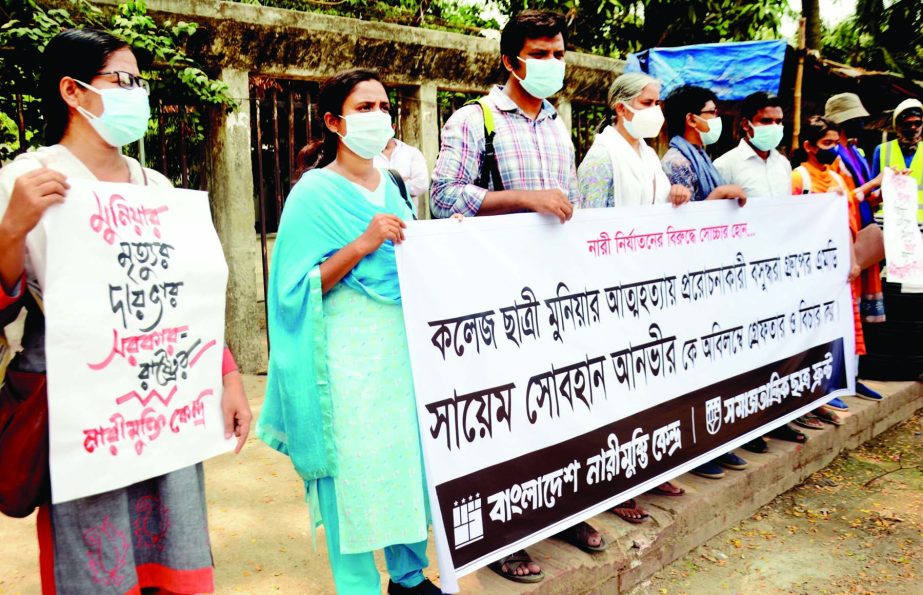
x=631 y=512
x=522 y=569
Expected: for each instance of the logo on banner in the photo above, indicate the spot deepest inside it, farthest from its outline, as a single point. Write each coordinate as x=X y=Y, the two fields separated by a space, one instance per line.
x=713 y=415
x=469 y=525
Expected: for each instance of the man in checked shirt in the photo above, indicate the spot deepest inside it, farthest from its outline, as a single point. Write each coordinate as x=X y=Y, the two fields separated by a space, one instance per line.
x=534 y=152
x=534 y=167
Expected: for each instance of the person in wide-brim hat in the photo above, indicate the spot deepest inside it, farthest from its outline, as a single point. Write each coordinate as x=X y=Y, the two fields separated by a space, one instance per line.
x=844 y=107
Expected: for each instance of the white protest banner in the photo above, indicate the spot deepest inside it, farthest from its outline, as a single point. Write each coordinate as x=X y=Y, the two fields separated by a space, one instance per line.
x=560 y=369
x=134 y=310
x=903 y=239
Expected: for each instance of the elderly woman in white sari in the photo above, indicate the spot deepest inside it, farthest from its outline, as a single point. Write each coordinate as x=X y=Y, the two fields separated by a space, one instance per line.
x=621 y=170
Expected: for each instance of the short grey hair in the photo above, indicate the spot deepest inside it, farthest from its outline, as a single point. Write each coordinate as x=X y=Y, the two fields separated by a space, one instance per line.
x=628 y=86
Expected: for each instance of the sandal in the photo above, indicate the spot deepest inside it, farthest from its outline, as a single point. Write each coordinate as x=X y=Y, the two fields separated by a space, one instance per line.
x=809 y=421
x=827 y=416
x=667 y=489
x=579 y=536
x=629 y=511
x=757 y=445
x=514 y=562
x=789 y=434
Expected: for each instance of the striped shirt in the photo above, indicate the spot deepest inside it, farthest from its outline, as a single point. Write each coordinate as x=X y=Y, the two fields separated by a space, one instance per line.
x=532 y=154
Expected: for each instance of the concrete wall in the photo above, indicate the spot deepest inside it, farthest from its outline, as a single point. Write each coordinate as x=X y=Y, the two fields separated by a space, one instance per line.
x=238 y=40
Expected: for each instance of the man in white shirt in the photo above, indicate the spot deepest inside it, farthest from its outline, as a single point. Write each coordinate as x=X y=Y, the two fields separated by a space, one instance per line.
x=409 y=162
x=755 y=165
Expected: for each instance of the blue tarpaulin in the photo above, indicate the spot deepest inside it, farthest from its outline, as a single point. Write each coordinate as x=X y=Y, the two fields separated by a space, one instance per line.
x=731 y=70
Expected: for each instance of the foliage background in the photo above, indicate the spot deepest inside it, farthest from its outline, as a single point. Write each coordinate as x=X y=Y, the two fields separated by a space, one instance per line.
x=880 y=36
x=29 y=26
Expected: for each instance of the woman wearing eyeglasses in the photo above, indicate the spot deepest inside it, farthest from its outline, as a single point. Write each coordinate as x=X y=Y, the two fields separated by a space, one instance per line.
x=152 y=536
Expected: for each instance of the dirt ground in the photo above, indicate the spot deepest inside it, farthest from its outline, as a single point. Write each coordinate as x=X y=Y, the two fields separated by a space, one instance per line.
x=842 y=531
x=833 y=534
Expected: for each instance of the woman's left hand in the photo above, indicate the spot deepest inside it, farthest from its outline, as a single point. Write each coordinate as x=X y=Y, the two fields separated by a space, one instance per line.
x=679 y=195
x=236 y=409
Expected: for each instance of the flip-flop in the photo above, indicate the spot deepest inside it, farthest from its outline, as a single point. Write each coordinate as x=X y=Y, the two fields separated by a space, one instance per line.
x=513 y=562
x=789 y=434
x=676 y=491
x=630 y=505
x=579 y=536
x=827 y=416
x=809 y=421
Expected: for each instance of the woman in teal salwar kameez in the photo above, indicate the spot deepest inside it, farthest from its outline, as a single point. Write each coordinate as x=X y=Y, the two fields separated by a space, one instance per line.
x=339 y=399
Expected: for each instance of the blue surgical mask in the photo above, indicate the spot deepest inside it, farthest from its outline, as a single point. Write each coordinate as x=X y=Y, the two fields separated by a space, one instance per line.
x=768 y=137
x=714 y=131
x=125 y=114
x=544 y=78
x=367 y=133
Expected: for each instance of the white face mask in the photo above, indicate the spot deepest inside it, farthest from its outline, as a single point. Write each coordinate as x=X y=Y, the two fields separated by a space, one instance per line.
x=367 y=133
x=125 y=114
x=646 y=122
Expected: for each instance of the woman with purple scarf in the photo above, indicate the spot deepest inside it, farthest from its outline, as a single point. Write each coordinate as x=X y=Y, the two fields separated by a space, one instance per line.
x=847 y=112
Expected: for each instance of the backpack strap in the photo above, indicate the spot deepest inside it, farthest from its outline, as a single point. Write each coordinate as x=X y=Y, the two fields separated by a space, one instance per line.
x=805 y=179
x=402 y=187
x=490 y=171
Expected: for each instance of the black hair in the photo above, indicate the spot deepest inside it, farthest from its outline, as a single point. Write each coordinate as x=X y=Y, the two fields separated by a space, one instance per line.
x=330 y=99
x=812 y=131
x=754 y=102
x=75 y=53
x=815 y=128
x=688 y=99
x=530 y=24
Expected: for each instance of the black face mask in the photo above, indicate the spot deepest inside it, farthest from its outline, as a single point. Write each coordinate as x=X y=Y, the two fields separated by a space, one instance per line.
x=826 y=156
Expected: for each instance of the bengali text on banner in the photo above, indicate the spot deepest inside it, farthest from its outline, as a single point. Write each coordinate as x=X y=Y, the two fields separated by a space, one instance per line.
x=562 y=368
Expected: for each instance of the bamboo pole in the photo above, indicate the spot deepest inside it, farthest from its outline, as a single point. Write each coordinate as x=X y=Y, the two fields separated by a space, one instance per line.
x=799 y=78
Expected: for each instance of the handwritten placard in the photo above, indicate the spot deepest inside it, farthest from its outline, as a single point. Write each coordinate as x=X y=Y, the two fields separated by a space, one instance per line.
x=560 y=369
x=134 y=294
x=903 y=238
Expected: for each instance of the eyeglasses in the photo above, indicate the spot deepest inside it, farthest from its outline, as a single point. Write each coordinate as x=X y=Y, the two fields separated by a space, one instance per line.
x=127 y=80
x=910 y=124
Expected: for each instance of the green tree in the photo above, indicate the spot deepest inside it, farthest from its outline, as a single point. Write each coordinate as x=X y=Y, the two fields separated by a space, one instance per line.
x=880 y=36
x=31 y=24
x=813 y=26
x=607 y=27
x=618 y=27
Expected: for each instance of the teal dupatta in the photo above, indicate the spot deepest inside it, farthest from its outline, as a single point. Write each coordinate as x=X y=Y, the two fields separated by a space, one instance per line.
x=323 y=213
